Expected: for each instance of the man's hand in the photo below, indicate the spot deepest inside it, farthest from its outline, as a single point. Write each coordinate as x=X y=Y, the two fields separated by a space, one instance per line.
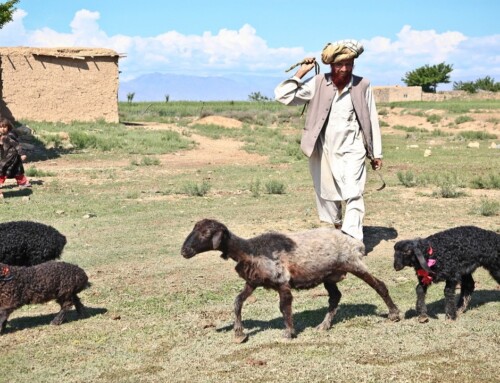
x=307 y=64
x=376 y=163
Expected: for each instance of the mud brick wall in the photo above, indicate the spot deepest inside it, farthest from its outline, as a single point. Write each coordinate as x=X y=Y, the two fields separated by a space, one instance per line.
x=59 y=84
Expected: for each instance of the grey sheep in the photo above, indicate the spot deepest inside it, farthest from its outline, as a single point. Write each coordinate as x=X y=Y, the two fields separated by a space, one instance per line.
x=42 y=283
x=284 y=262
x=451 y=255
x=27 y=243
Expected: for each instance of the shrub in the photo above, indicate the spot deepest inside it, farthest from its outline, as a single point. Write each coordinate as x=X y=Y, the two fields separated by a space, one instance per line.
x=146 y=161
x=489 y=208
x=484 y=183
x=255 y=188
x=434 y=118
x=195 y=190
x=473 y=135
x=461 y=119
x=275 y=187
x=34 y=172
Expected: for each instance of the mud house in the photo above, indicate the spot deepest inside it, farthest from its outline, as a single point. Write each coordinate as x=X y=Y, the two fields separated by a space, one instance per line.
x=59 y=84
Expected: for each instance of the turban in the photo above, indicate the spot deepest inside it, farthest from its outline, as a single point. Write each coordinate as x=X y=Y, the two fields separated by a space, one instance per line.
x=341 y=50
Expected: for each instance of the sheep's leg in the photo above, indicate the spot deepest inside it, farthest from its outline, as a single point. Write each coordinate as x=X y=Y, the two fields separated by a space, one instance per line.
x=238 y=305
x=449 y=299
x=66 y=305
x=381 y=290
x=4 y=315
x=286 y=299
x=333 y=302
x=421 y=307
x=80 y=309
x=466 y=290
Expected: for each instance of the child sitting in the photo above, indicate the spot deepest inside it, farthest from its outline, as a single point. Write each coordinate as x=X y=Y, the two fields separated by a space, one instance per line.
x=11 y=155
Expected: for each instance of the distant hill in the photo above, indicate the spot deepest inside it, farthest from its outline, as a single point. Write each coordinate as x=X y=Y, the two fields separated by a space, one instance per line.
x=155 y=86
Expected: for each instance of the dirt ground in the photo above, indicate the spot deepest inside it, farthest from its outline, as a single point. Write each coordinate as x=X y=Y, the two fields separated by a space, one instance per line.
x=208 y=149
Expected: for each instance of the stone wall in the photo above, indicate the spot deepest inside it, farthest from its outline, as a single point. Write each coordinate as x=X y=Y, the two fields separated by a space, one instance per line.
x=59 y=84
x=397 y=93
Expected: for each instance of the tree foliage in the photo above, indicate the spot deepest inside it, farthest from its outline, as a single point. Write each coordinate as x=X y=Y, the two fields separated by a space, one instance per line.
x=428 y=77
x=487 y=84
x=6 y=11
x=257 y=96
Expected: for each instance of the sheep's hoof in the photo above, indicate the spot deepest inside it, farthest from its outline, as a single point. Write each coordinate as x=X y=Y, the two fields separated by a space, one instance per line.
x=323 y=326
x=423 y=319
x=394 y=316
x=289 y=335
x=240 y=338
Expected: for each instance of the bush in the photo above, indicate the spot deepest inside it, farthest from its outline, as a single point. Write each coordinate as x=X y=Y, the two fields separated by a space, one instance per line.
x=434 y=118
x=473 y=135
x=484 y=183
x=195 y=190
x=489 y=208
x=275 y=187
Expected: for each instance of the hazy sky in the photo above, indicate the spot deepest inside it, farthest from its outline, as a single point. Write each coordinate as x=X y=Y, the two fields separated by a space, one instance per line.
x=210 y=37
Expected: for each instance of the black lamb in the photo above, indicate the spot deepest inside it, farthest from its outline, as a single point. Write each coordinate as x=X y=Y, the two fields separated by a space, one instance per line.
x=451 y=255
x=42 y=283
x=28 y=243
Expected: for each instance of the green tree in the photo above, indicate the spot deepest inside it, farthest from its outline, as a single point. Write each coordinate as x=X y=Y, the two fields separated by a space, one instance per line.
x=6 y=11
x=487 y=83
x=428 y=77
x=257 y=96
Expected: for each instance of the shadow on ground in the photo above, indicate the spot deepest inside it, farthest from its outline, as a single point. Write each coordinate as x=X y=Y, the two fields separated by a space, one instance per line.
x=23 y=323
x=306 y=319
x=373 y=235
x=479 y=298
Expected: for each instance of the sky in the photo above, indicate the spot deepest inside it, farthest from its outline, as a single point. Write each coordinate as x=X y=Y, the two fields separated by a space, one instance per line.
x=265 y=37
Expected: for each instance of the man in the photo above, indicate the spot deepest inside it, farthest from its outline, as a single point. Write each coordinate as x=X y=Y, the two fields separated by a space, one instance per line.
x=341 y=130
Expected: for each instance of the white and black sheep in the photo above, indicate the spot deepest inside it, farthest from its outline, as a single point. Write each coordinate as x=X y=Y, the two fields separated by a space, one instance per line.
x=451 y=255
x=42 y=283
x=284 y=262
x=27 y=243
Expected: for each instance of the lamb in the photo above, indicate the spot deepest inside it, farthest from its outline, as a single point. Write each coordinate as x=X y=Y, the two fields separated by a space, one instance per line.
x=28 y=243
x=42 y=283
x=451 y=255
x=282 y=262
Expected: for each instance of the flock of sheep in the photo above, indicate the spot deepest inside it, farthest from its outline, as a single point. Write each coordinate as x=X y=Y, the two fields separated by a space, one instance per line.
x=30 y=272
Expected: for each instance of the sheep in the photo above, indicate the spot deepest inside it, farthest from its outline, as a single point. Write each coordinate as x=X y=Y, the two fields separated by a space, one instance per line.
x=282 y=262
x=451 y=255
x=27 y=243
x=21 y=285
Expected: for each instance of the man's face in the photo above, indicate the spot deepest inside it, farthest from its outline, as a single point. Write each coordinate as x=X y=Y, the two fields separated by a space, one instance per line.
x=342 y=70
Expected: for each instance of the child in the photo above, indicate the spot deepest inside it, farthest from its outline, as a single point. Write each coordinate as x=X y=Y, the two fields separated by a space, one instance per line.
x=11 y=155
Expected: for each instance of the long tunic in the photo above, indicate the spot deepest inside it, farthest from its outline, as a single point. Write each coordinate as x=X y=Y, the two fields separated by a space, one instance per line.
x=337 y=164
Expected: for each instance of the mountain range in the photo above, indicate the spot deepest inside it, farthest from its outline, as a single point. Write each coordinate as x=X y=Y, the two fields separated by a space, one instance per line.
x=159 y=87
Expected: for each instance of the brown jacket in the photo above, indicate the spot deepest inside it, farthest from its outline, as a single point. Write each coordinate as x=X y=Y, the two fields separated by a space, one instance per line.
x=319 y=110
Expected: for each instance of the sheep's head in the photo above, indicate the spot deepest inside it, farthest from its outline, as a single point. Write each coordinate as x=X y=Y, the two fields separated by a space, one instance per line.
x=410 y=253
x=207 y=234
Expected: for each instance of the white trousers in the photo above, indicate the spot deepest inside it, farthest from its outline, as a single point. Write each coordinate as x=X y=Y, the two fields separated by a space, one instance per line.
x=331 y=212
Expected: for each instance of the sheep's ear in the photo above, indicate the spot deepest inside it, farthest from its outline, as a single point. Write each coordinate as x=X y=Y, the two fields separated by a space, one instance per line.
x=420 y=257
x=216 y=239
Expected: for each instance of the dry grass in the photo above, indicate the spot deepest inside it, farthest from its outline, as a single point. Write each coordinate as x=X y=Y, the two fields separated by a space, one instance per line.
x=156 y=317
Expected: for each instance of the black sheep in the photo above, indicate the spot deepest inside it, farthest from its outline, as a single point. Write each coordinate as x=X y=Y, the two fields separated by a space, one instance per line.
x=27 y=243
x=42 y=283
x=451 y=255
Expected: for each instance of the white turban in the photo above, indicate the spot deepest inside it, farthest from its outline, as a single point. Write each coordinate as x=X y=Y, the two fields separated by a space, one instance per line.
x=341 y=50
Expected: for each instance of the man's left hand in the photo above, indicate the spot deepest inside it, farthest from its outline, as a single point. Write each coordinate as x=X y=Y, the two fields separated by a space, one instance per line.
x=376 y=163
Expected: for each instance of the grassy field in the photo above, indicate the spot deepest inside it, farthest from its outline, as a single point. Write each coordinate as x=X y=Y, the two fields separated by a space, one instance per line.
x=126 y=196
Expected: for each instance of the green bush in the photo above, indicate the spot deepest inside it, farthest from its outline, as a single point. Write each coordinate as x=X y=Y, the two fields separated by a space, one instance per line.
x=461 y=119
x=493 y=182
x=434 y=118
x=275 y=187
x=473 y=135
x=489 y=208
x=196 y=190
